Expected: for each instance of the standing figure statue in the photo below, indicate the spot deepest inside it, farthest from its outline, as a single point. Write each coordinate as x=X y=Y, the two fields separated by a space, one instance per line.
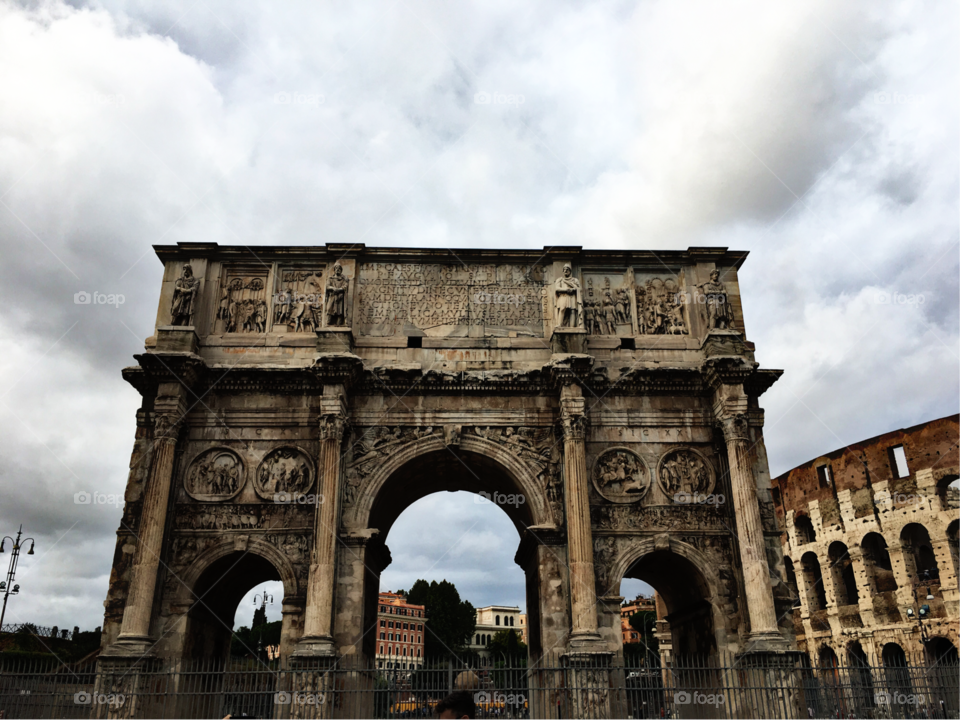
x=719 y=312
x=569 y=301
x=336 y=296
x=184 y=293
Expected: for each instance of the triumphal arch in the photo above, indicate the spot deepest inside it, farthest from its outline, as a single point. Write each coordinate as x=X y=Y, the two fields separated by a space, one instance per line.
x=297 y=399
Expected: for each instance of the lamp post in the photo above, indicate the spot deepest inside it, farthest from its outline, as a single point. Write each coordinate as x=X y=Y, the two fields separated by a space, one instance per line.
x=7 y=587
x=922 y=610
x=265 y=599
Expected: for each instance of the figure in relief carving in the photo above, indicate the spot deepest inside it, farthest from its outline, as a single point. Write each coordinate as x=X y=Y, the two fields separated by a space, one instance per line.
x=569 y=301
x=608 y=320
x=719 y=311
x=660 y=308
x=242 y=306
x=620 y=476
x=214 y=475
x=184 y=294
x=284 y=470
x=684 y=472
x=336 y=295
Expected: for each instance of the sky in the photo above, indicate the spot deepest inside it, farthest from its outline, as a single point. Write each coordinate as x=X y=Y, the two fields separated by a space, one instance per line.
x=820 y=136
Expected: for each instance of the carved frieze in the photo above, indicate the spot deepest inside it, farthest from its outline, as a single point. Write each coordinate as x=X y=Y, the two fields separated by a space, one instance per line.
x=243 y=302
x=244 y=517
x=215 y=475
x=607 y=308
x=660 y=307
x=284 y=471
x=685 y=475
x=620 y=476
x=298 y=302
x=445 y=300
x=658 y=518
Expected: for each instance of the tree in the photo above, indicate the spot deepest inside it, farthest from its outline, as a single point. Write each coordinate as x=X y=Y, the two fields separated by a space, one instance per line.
x=645 y=623
x=450 y=621
x=508 y=643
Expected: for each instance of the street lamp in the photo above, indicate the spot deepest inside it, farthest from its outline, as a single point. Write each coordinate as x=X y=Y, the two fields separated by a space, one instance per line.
x=922 y=611
x=9 y=588
x=265 y=599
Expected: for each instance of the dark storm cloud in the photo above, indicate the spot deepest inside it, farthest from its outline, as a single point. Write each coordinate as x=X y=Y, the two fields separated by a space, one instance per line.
x=819 y=136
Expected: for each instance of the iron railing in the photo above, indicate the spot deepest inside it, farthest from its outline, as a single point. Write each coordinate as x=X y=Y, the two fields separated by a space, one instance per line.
x=589 y=686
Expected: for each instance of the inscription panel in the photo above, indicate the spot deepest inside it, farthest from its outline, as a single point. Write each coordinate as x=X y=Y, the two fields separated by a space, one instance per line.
x=448 y=300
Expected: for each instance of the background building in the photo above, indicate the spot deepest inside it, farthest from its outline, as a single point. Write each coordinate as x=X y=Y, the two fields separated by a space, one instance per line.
x=628 y=610
x=400 y=632
x=491 y=620
x=870 y=547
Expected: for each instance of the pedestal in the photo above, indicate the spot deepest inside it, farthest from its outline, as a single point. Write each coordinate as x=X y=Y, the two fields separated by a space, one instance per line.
x=335 y=340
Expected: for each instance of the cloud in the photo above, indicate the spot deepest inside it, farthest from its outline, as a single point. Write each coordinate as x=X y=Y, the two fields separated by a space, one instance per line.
x=818 y=136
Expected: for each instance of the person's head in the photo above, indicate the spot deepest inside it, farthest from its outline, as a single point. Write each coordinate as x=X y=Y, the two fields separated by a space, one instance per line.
x=567 y=270
x=457 y=705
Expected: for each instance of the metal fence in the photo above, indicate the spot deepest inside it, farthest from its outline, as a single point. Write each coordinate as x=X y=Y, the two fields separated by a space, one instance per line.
x=555 y=687
x=38 y=630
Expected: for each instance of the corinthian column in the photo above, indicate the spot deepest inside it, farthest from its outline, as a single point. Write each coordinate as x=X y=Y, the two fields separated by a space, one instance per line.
x=753 y=556
x=134 y=635
x=583 y=595
x=317 y=637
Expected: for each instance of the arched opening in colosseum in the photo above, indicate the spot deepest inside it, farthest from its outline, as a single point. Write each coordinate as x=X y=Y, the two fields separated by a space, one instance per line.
x=805 y=531
x=861 y=680
x=686 y=594
x=876 y=559
x=948 y=490
x=813 y=579
x=896 y=670
x=953 y=535
x=841 y=570
x=829 y=672
x=944 y=664
x=918 y=549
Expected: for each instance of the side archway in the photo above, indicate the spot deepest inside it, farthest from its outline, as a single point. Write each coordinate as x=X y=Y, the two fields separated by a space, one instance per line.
x=689 y=586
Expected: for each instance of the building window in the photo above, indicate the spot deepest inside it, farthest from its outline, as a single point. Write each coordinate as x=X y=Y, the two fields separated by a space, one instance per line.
x=419 y=638
x=382 y=637
x=825 y=476
x=511 y=622
x=390 y=624
x=383 y=623
x=497 y=620
x=404 y=637
x=381 y=652
x=404 y=652
x=898 y=462
x=418 y=652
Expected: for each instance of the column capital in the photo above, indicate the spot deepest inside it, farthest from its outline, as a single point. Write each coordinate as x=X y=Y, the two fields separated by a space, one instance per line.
x=332 y=427
x=735 y=427
x=166 y=426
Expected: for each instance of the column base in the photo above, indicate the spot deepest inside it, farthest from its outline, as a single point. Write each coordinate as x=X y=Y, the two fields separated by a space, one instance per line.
x=130 y=648
x=586 y=642
x=766 y=642
x=316 y=646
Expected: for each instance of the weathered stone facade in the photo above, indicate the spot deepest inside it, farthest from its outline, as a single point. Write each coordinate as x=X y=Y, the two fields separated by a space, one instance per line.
x=863 y=524
x=297 y=399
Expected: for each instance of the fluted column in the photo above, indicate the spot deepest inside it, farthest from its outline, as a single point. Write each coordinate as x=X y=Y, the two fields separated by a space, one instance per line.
x=583 y=594
x=135 y=628
x=753 y=557
x=317 y=637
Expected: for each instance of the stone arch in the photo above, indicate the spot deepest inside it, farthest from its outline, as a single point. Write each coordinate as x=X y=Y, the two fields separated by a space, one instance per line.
x=953 y=535
x=876 y=559
x=212 y=586
x=474 y=449
x=804 y=527
x=947 y=491
x=704 y=575
x=841 y=571
x=916 y=540
x=813 y=580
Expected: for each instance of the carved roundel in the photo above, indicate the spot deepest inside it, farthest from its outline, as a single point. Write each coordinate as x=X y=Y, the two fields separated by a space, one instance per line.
x=621 y=476
x=685 y=472
x=284 y=470
x=214 y=475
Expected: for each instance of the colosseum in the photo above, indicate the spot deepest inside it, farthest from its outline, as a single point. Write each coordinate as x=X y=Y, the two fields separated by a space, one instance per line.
x=870 y=548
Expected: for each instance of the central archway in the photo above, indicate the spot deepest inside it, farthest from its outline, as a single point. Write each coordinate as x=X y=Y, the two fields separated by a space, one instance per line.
x=428 y=466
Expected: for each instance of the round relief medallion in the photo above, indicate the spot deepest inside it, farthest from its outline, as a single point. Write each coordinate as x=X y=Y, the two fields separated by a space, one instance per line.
x=620 y=476
x=685 y=472
x=214 y=475
x=284 y=470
